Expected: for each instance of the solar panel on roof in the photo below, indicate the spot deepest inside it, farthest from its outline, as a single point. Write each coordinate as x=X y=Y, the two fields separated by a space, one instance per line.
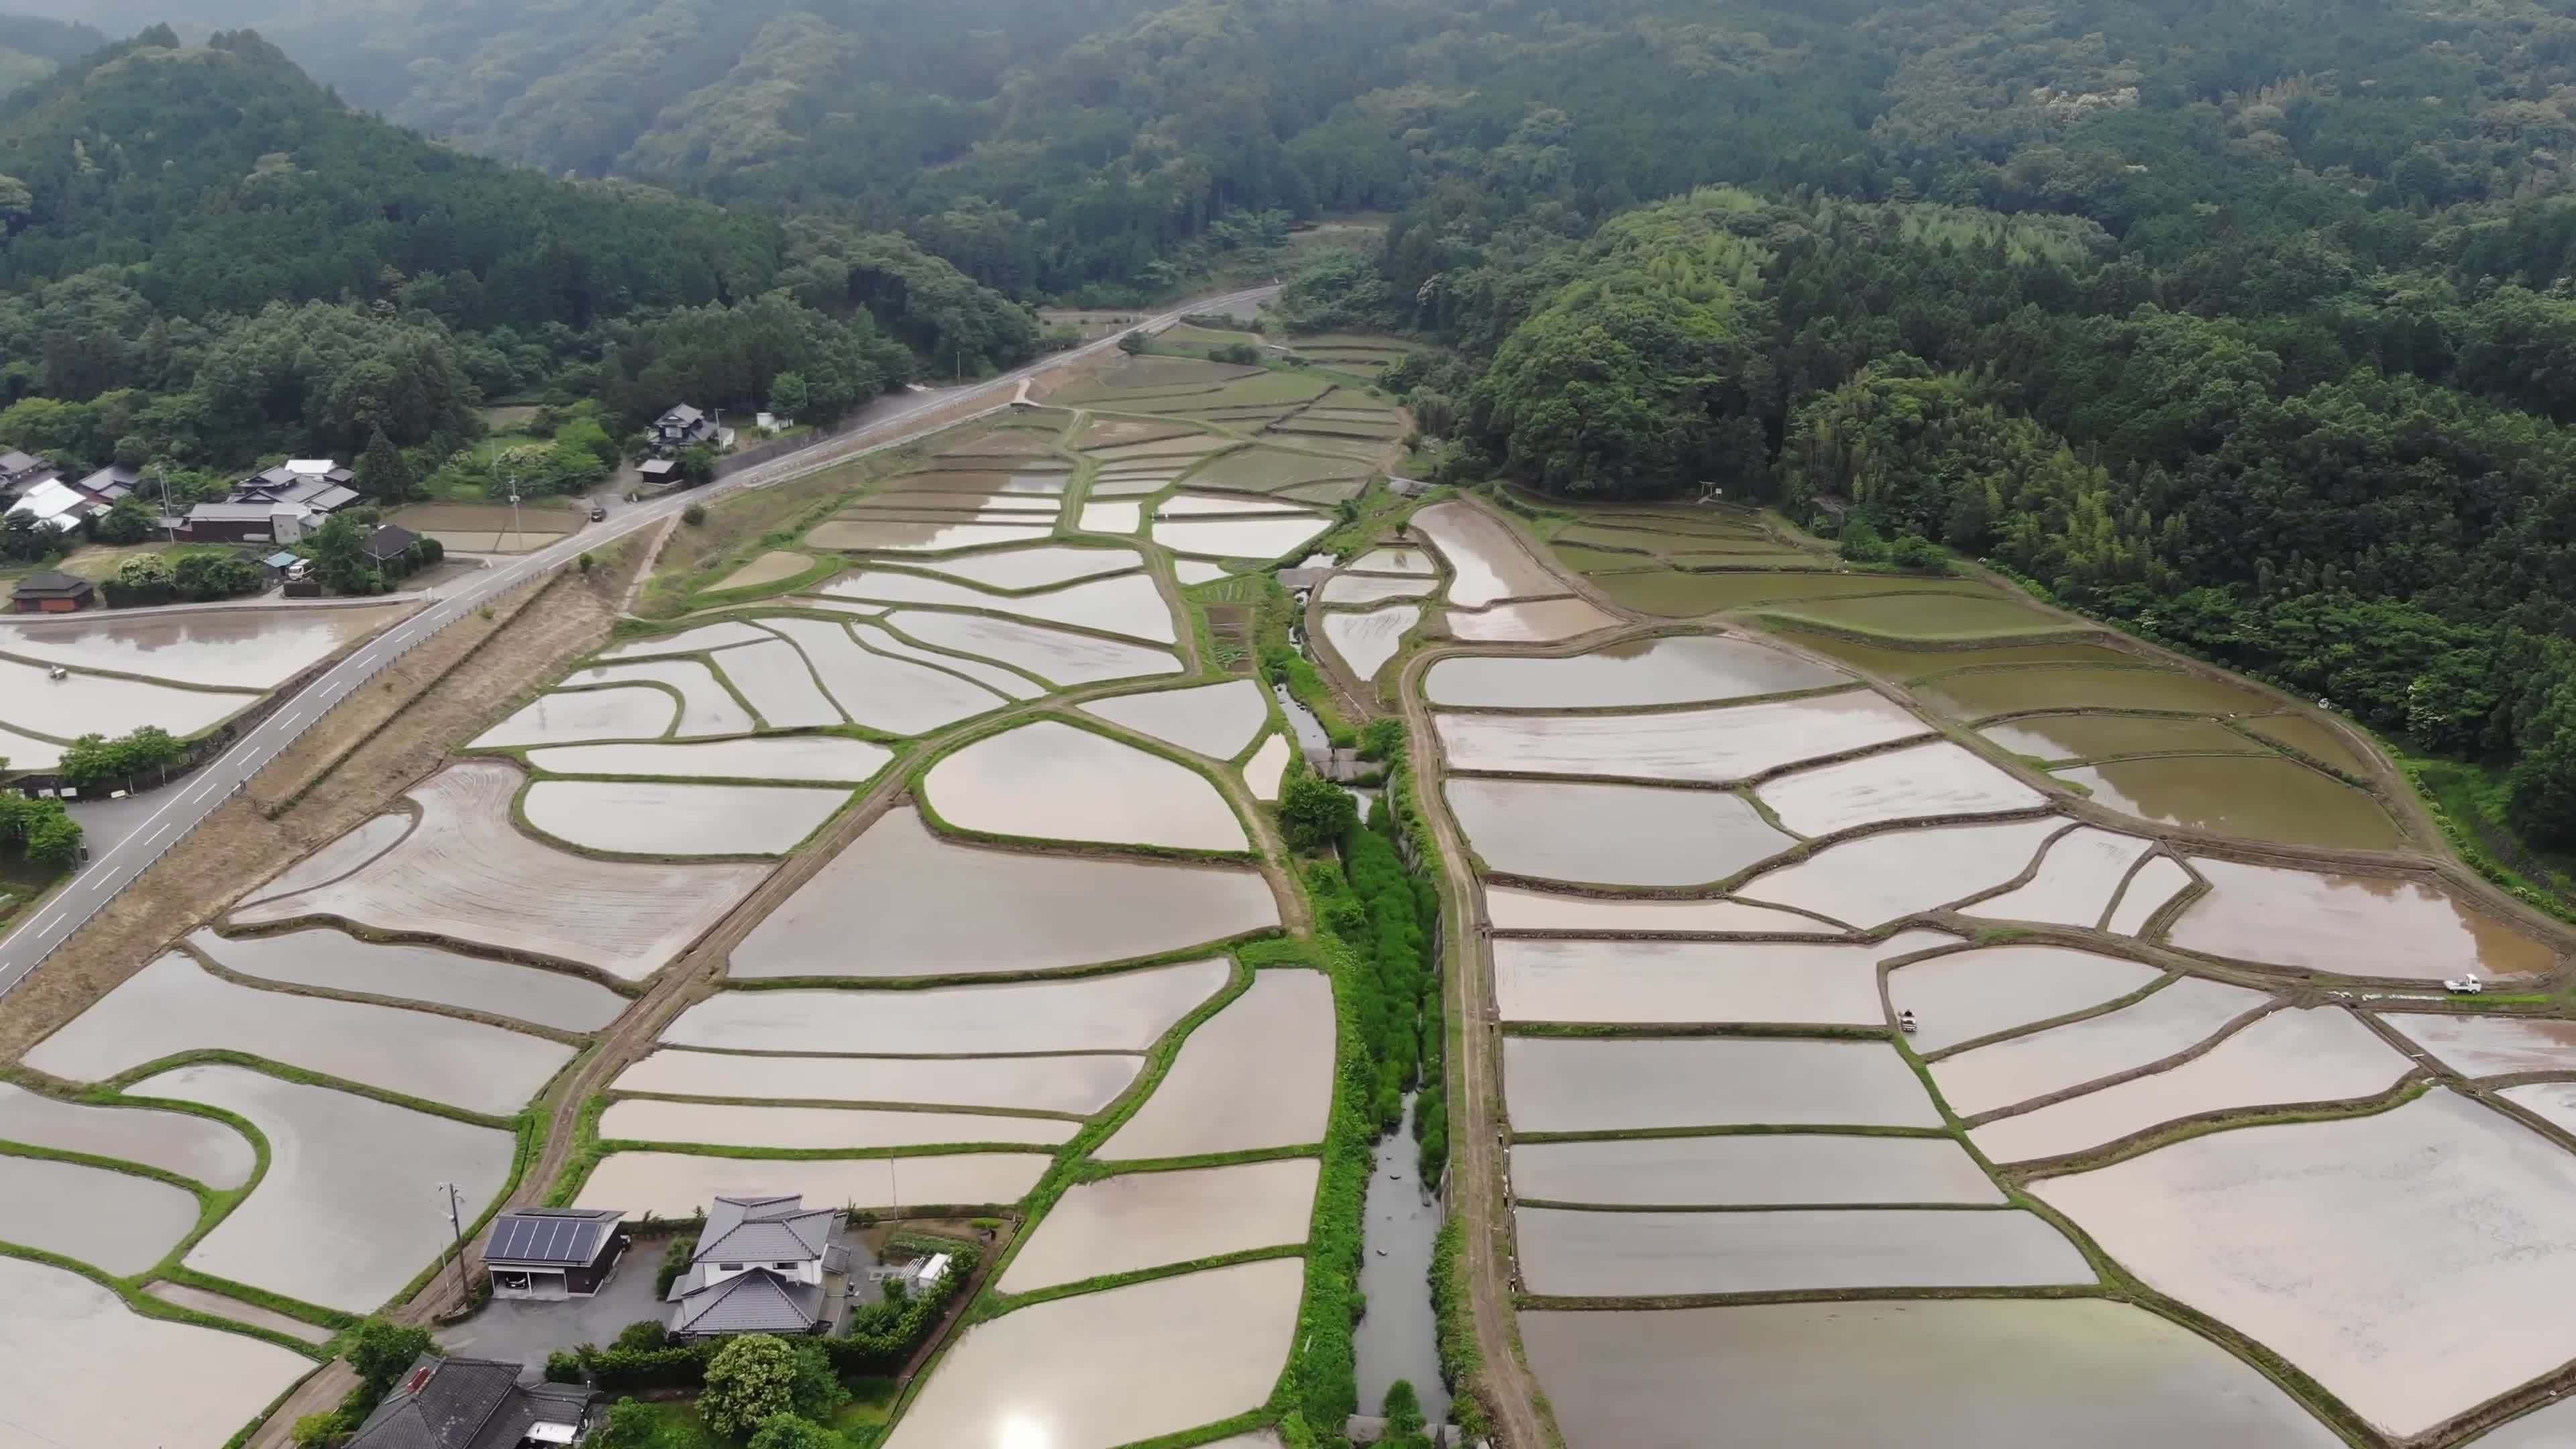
x=528 y=1239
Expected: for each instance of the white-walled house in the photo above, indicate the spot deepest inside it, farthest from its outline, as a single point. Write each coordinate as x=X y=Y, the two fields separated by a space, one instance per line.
x=763 y=1265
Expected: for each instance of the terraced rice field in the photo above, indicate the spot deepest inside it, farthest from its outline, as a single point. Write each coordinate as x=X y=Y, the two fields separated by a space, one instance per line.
x=1080 y=1085
x=706 y=708
x=334 y=961
x=253 y=649
x=1128 y=604
x=1573 y=1254
x=1366 y=641
x=1883 y=877
x=82 y=704
x=1258 y=1074
x=1541 y=621
x=1932 y=781
x=466 y=874
x=2077 y=878
x=645 y=817
x=2356 y=925
x=2254 y=798
x=1928 y=616
x=64 y=1336
x=1595 y=1085
x=1487 y=561
x=882 y=692
x=1770 y=1169
x=632 y=712
x=1984 y=694
x=1052 y=654
x=1645 y=983
x=2062 y=737
x=1349 y=589
x=1621 y=835
x=1121 y=1013
x=821 y=759
x=1215 y=720
x=1160 y=1219
x=1683 y=669
x=904 y=902
x=806 y=1129
x=193 y=1147
x=1704 y=745
x=675 y=1185
x=116 y=1221
x=1971 y=995
x=1058 y=782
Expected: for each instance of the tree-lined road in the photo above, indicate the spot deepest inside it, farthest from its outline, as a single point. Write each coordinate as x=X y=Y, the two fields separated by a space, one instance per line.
x=199 y=795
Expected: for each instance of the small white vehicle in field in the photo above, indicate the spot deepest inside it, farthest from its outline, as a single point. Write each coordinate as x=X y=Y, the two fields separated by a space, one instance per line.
x=58 y=672
x=2468 y=985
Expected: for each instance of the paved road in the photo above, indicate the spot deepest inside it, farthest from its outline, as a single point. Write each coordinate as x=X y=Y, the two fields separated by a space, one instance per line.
x=192 y=800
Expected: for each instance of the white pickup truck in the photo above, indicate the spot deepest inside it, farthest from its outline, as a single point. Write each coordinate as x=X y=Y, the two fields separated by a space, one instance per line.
x=2468 y=985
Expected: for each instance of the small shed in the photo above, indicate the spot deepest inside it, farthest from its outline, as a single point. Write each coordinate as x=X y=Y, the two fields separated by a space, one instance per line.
x=553 y=1252
x=51 y=592
x=658 y=472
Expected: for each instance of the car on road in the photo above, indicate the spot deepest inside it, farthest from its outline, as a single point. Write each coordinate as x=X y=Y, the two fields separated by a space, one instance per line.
x=599 y=513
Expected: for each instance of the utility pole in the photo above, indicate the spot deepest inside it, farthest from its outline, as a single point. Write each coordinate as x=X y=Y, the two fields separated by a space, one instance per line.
x=169 y=523
x=456 y=1225
x=516 y=531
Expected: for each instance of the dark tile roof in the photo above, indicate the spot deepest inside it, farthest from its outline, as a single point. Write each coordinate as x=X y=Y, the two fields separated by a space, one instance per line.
x=531 y=1406
x=439 y=1404
x=757 y=1301
x=557 y=1237
x=683 y=416
x=389 y=541
x=53 y=584
x=766 y=1230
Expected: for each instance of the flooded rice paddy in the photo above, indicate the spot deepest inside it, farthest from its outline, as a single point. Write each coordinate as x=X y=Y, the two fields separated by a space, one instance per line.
x=1365 y=589
x=815 y=758
x=1037 y=568
x=893 y=695
x=1513 y=908
x=807 y=1129
x=1569 y=1253
x=900 y=901
x=1239 y=537
x=251 y=649
x=1119 y=518
x=1078 y=1084
x=1128 y=1012
x=1942 y=1374
x=774 y=567
x=337 y=858
x=116 y=1222
x=1924 y=782
x=2256 y=798
x=1366 y=641
x=1158 y=1219
x=1677 y=982
x=646 y=817
x=66 y=1339
x=1008 y=683
x=679 y=1185
x=2313 y=738
x=1683 y=595
x=2301 y=1054
x=346 y=1214
x=707 y=708
x=1486 y=558
x=1215 y=720
x=26 y=752
x=1923 y=659
x=779 y=686
x=174 y=1005
x=1267 y=768
x=235 y=1309
x=2149 y=891
x=1543 y=621
x=1584 y=1084
x=1768 y=1169
x=1126 y=604
x=193 y=1147
x=629 y=713
x=1978 y=993
x=1056 y=781
x=1258 y=1074
x=1637 y=674
x=335 y=961
x=2354 y=925
x=2414 y=1262
x=1987 y=692
x=730 y=633
x=1202 y=505
x=1707 y=745
x=1396 y=561
x=1110 y=1368
x=1193 y=571
x=1881 y=877
x=918 y=536
x=1635 y=835
x=2174 y=1019
x=468 y=874
x=2489 y=1046
x=2056 y=737
x=2077 y=877
x=1051 y=654
x=84 y=704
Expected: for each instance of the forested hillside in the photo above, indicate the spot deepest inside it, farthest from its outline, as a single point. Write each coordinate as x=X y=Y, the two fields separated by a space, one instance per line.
x=209 y=258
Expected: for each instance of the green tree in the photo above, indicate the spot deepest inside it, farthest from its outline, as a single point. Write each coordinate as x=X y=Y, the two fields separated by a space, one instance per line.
x=643 y=1333
x=1132 y=343
x=380 y=1351
x=1314 y=812
x=382 y=473
x=788 y=395
x=697 y=466
x=787 y=1431
x=128 y=520
x=632 y=1424
x=2542 y=802
x=751 y=1380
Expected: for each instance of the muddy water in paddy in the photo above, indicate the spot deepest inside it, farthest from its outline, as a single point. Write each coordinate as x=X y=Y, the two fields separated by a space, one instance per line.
x=2156 y=883
x=1756 y=1170
x=1881 y=877
x=914 y=536
x=1366 y=641
x=1036 y=568
x=1110 y=1368
x=81 y=704
x=1638 y=673
x=1268 y=768
x=1058 y=782
x=336 y=961
x=2415 y=1262
x=1364 y=589
x=116 y=1222
x=1396 y=561
x=1128 y=1012
x=2311 y=1054
x=648 y=817
x=2175 y=1019
x=1922 y=782
x=2354 y=924
x=1955 y=1374
x=774 y=679
x=807 y=1129
x=706 y=708
x=230 y=649
x=2074 y=883
x=1157 y=1219
x=1544 y=621
x=2098 y=736
x=2490 y=1046
x=893 y=695
x=2313 y=738
x=1215 y=720
x=1258 y=1074
x=1651 y=982
x=1931 y=615
x=900 y=901
x=1970 y=994
x=689 y=641
x=815 y=758
x=1611 y=834
x=68 y=1341
x=1239 y=537
x=1578 y=1254
x=190 y=1146
x=1511 y=908
x=1054 y=654
x=1082 y=1084
x=2253 y=798
x=2011 y=691
x=1488 y=560
x=630 y=712
x=1581 y=1084
x=678 y=1184
x=337 y=858
x=1677 y=595
x=1710 y=746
